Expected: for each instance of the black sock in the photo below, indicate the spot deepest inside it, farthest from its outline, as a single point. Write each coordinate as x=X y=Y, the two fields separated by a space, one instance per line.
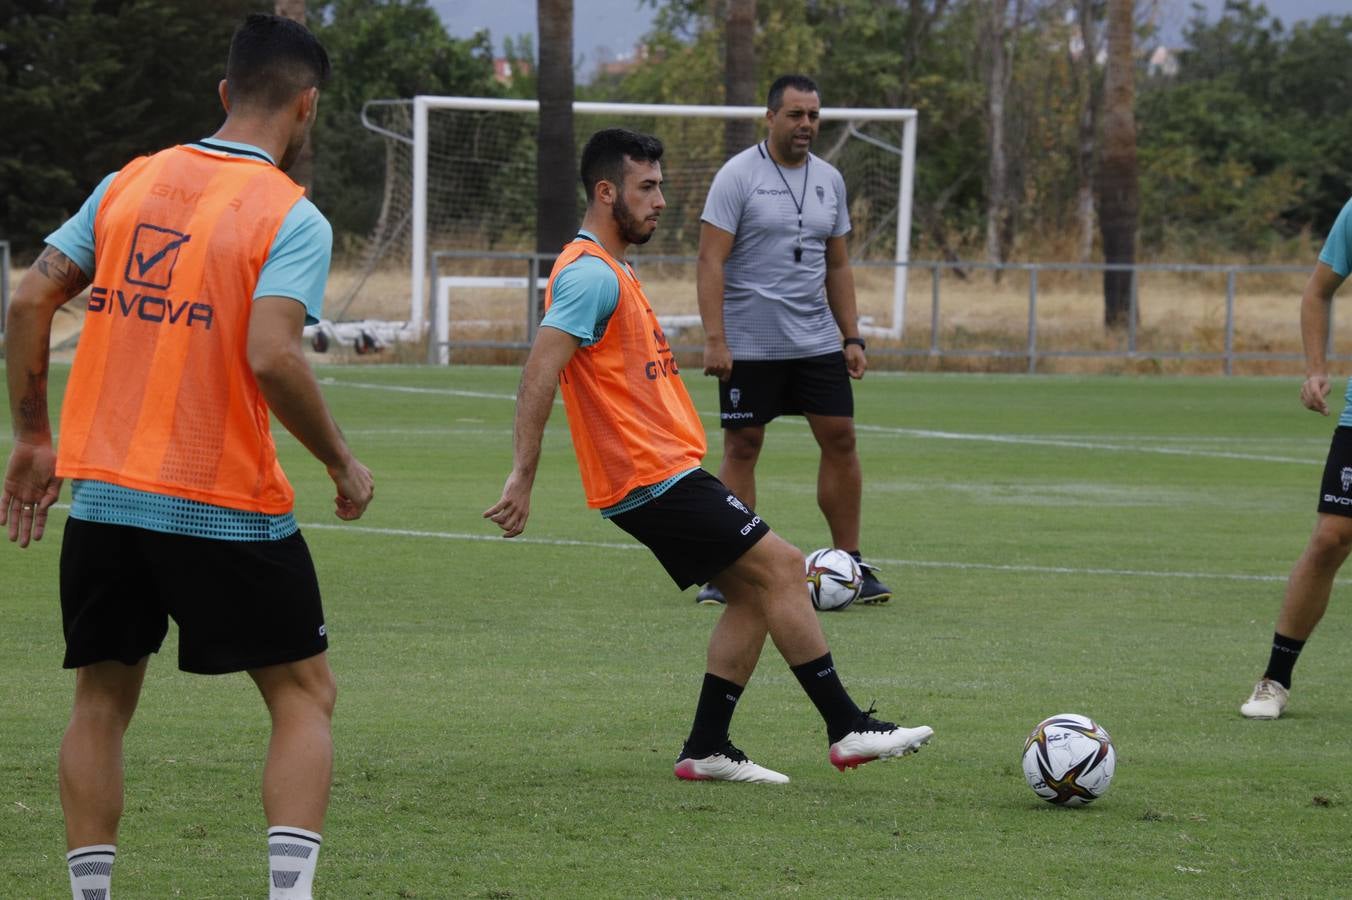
x=717 y=702
x=857 y=556
x=1285 y=652
x=823 y=688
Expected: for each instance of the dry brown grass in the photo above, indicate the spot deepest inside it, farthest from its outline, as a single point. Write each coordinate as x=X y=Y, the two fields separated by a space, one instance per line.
x=978 y=314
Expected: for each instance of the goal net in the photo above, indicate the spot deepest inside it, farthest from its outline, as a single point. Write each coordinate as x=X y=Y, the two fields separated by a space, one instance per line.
x=460 y=202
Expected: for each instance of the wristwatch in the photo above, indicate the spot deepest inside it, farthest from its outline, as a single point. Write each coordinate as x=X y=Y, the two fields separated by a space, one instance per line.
x=857 y=342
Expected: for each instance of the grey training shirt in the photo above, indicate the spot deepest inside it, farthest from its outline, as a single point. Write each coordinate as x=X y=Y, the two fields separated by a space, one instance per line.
x=774 y=307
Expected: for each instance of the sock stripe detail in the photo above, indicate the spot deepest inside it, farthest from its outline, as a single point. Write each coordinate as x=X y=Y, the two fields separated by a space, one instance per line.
x=283 y=879
x=94 y=893
x=71 y=857
x=293 y=850
x=85 y=869
x=313 y=839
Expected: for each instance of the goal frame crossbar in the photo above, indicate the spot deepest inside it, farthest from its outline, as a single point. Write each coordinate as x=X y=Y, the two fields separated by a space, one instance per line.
x=423 y=104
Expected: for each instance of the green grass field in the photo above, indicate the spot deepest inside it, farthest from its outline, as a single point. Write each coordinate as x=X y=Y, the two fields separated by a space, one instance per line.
x=509 y=710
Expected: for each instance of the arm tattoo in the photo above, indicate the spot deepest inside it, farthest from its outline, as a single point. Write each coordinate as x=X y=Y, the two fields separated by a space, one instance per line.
x=32 y=411
x=57 y=267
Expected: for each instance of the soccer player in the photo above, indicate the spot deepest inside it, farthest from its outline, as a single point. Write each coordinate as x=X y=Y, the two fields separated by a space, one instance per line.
x=205 y=262
x=776 y=295
x=639 y=443
x=1311 y=581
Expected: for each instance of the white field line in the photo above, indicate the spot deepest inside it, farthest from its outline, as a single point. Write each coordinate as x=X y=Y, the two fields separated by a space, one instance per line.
x=407 y=389
x=929 y=434
x=899 y=563
x=1037 y=441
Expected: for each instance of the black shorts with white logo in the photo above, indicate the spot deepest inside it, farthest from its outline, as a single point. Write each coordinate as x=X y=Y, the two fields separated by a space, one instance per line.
x=759 y=390
x=238 y=604
x=1335 y=491
x=696 y=529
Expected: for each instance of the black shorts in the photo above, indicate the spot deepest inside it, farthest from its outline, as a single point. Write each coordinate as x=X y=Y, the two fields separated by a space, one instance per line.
x=760 y=390
x=1335 y=491
x=238 y=604
x=696 y=529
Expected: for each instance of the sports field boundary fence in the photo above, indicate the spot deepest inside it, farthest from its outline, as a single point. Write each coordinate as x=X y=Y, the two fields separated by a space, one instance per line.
x=445 y=264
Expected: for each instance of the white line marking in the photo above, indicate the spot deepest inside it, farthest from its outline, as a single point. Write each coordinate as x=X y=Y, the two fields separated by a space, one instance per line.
x=915 y=563
x=461 y=536
x=1066 y=570
x=408 y=389
x=928 y=434
x=1034 y=440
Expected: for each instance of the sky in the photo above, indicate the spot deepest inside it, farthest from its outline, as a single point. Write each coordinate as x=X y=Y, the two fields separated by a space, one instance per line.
x=611 y=28
x=1175 y=14
x=608 y=28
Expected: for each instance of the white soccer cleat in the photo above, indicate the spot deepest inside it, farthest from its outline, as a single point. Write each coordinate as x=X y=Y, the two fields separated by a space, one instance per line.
x=1266 y=702
x=728 y=764
x=871 y=739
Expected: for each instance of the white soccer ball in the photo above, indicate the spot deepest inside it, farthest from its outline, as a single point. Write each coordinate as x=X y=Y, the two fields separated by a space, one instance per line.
x=1069 y=760
x=833 y=578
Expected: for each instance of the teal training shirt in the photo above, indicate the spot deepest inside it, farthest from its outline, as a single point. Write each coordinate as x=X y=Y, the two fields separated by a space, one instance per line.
x=297 y=268
x=583 y=297
x=1337 y=255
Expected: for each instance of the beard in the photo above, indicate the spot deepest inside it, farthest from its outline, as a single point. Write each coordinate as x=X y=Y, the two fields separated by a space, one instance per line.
x=631 y=228
x=291 y=154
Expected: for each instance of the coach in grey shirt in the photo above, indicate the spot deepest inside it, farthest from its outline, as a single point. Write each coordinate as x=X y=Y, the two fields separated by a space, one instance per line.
x=776 y=296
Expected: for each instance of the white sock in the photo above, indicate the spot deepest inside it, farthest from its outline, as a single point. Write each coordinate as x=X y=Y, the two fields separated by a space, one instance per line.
x=292 y=854
x=91 y=871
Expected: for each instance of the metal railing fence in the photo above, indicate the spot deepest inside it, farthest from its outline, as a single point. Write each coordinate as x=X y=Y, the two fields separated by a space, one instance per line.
x=1033 y=352
x=1031 y=348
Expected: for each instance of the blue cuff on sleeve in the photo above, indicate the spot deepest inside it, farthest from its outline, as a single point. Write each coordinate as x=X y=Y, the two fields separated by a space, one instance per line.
x=75 y=237
x=298 y=263
x=585 y=295
x=1337 y=252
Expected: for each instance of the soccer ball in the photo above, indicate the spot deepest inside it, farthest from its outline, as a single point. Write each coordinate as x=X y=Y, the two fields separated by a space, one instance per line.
x=1069 y=760
x=833 y=578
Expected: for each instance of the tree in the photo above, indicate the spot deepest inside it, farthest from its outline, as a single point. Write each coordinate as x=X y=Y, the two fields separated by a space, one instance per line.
x=997 y=58
x=556 y=218
x=1089 y=88
x=739 y=73
x=1247 y=145
x=1119 y=192
x=303 y=169
x=77 y=105
x=381 y=50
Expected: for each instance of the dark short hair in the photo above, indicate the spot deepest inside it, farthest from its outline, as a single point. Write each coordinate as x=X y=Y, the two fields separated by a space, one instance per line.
x=603 y=157
x=272 y=59
x=797 y=82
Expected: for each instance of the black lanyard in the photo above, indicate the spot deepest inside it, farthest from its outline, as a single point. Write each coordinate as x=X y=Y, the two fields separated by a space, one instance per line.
x=238 y=151
x=797 y=204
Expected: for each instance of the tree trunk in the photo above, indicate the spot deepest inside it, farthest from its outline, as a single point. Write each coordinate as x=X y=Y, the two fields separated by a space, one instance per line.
x=1090 y=100
x=556 y=176
x=996 y=57
x=1119 y=193
x=739 y=73
x=302 y=171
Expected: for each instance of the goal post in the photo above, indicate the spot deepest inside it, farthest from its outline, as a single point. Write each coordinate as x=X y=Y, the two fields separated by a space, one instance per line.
x=451 y=160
